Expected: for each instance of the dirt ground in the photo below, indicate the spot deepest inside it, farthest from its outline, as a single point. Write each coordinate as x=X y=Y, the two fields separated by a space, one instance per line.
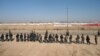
x=49 y=49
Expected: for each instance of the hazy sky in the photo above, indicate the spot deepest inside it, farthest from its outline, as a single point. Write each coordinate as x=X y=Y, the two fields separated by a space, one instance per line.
x=49 y=10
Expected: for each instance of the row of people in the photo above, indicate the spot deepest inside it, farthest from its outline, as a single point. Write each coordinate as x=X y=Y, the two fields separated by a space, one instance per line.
x=7 y=37
x=47 y=38
x=54 y=38
x=28 y=37
x=68 y=39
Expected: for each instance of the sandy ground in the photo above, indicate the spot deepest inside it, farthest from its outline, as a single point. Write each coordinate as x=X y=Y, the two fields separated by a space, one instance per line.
x=49 y=49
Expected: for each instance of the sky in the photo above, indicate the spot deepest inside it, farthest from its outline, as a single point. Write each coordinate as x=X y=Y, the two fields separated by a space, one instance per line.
x=49 y=10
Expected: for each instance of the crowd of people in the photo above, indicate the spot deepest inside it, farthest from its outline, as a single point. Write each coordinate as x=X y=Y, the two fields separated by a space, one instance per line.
x=47 y=38
x=7 y=37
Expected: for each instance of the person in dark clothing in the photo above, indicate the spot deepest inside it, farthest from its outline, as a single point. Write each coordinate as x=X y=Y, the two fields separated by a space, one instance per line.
x=21 y=37
x=2 y=37
x=88 y=39
x=7 y=37
x=77 y=39
x=70 y=38
x=46 y=36
x=17 y=37
x=82 y=39
x=50 y=38
x=98 y=32
x=67 y=32
x=56 y=36
x=96 y=42
x=61 y=38
x=32 y=36
x=10 y=36
x=25 y=36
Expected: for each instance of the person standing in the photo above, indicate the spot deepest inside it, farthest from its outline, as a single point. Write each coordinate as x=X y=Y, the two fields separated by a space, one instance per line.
x=61 y=38
x=96 y=42
x=56 y=36
x=98 y=32
x=88 y=39
x=25 y=36
x=21 y=37
x=2 y=37
x=50 y=38
x=65 y=39
x=46 y=36
x=7 y=37
x=70 y=38
x=10 y=36
x=40 y=38
x=82 y=39
x=77 y=39
x=17 y=37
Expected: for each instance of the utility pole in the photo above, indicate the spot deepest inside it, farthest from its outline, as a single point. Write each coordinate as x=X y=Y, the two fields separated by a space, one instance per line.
x=67 y=32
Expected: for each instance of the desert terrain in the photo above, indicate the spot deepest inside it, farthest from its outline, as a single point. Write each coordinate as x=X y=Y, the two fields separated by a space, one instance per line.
x=13 y=48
